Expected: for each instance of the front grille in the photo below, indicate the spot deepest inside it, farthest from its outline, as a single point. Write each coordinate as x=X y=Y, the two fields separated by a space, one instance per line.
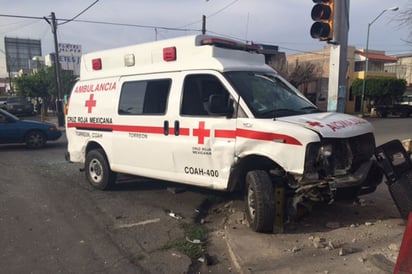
x=347 y=155
x=363 y=147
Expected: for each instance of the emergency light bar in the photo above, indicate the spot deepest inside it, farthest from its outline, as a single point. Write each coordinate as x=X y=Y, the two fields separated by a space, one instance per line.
x=169 y=54
x=228 y=44
x=97 y=64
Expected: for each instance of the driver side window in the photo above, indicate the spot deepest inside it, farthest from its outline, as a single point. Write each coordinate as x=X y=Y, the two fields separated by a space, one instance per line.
x=198 y=89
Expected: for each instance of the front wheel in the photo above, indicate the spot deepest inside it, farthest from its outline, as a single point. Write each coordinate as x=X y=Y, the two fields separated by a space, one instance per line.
x=259 y=199
x=98 y=172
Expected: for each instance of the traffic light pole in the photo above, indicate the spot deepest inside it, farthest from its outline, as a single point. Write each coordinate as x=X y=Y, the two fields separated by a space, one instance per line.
x=338 y=64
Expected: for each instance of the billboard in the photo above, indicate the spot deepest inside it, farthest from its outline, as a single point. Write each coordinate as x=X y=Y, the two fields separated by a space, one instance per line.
x=19 y=52
x=69 y=57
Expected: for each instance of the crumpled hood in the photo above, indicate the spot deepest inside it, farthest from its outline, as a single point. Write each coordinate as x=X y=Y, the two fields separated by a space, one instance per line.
x=331 y=124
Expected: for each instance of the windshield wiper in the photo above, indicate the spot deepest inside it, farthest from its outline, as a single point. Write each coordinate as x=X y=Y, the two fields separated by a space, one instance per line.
x=279 y=112
x=312 y=108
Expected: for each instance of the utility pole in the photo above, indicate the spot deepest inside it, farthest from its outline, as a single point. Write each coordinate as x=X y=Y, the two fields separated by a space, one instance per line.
x=332 y=25
x=203 y=24
x=338 y=65
x=57 y=71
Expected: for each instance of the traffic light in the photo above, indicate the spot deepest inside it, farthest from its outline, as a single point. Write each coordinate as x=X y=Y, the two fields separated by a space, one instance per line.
x=323 y=14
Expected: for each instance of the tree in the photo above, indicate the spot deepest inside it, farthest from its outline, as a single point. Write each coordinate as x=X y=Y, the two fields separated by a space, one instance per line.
x=405 y=20
x=302 y=73
x=43 y=84
x=382 y=91
x=32 y=85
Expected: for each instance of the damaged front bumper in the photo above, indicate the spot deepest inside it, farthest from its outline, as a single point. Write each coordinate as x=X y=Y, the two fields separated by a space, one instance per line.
x=340 y=169
x=363 y=181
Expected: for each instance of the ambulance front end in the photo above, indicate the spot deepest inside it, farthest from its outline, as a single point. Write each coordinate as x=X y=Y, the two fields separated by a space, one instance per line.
x=318 y=156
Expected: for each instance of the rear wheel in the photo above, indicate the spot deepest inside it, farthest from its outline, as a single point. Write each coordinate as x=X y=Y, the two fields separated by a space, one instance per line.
x=259 y=199
x=98 y=172
x=381 y=114
x=35 y=139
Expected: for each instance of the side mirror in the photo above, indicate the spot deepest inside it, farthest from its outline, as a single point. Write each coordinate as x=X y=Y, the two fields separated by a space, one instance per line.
x=220 y=105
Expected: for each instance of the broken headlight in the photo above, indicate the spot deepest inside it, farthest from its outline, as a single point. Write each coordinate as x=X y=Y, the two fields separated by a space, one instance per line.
x=327 y=159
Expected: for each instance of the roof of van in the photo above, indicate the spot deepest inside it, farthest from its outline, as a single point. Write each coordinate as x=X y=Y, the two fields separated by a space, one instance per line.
x=184 y=53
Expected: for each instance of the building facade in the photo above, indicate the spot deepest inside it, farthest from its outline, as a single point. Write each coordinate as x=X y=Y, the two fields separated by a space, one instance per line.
x=403 y=70
x=356 y=67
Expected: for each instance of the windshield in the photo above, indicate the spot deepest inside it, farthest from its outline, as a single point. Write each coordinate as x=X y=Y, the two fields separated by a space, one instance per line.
x=268 y=95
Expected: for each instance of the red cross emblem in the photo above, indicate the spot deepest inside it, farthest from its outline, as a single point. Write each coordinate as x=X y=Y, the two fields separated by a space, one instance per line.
x=90 y=103
x=201 y=133
x=314 y=124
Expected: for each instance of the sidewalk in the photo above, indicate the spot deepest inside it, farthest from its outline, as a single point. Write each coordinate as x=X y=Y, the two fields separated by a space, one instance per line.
x=51 y=117
x=311 y=246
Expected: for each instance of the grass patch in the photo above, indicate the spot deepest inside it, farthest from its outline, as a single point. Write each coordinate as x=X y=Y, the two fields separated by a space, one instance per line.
x=194 y=242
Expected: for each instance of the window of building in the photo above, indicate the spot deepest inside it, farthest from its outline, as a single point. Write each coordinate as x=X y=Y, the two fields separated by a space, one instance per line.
x=359 y=66
x=144 y=97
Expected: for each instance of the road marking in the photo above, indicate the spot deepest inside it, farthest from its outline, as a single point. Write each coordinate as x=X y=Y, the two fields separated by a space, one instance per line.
x=137 y=224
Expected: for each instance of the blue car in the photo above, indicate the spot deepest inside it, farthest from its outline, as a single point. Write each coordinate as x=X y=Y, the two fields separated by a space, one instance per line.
x=35 y=134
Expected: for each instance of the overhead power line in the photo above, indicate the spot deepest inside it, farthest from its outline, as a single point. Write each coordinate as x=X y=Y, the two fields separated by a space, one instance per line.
x=101 y=23
x=21 y=16
x=83 y=11
x=133 y=25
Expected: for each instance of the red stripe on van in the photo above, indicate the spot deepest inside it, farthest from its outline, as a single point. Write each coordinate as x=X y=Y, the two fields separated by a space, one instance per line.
x=91 y=126
x=219 y=133
x=256 y=135
x=142 y=129
x=267 y=136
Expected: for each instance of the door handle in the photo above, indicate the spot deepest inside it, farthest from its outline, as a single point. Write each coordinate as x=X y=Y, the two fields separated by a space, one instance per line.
x=177 y=128
x=166 y=128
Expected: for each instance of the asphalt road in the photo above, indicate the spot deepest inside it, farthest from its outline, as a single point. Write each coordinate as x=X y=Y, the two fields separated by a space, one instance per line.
x=52 y=221
x=391 y=128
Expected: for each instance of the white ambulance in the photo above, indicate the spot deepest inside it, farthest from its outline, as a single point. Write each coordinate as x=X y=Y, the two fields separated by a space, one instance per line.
x=208 y=111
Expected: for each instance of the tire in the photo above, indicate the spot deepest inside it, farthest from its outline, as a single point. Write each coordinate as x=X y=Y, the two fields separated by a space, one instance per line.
x=35 y=139
x=381 y=114
x=259 y=201
x=97 y=170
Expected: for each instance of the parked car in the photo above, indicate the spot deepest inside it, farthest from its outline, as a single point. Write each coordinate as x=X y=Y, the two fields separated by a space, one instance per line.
x=34 y=133
x=400 y=110
x=3 y=100
x=18 y=105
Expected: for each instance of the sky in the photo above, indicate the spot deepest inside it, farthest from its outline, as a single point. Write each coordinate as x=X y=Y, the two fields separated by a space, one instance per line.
x=277 y=22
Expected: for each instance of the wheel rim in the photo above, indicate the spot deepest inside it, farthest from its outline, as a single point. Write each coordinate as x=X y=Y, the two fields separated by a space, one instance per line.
x=35 y=140
x=96 y=171
x=251 y=202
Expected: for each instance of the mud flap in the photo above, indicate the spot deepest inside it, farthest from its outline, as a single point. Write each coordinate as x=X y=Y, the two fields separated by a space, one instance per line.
x=397 y=167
